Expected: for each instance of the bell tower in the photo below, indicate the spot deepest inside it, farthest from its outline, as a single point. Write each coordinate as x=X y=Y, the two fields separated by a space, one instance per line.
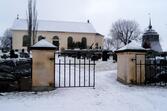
x=150 y=39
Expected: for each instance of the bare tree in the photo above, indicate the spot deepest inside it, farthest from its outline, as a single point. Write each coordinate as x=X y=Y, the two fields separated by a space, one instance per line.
x=124 y=31
x=6 y=41
x=116 y=43
x=107 y=43
x=32 y=21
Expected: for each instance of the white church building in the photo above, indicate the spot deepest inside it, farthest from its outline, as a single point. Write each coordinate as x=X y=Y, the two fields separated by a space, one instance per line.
x=62 y=34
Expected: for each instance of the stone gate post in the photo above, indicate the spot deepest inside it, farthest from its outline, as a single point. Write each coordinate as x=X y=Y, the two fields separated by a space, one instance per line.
x=130 y=64
x=43 y=66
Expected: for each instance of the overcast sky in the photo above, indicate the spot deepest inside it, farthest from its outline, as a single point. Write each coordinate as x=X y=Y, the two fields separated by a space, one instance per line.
x=101 y=13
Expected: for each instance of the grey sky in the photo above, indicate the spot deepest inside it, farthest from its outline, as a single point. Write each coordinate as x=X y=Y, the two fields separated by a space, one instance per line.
x=101 y=13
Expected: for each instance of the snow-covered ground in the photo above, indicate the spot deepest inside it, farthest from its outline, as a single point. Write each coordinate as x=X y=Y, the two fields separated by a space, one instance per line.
x=108 y=95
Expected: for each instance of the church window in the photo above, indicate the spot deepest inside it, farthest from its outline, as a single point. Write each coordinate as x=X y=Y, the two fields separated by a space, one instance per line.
x=84 y=43
x=70 y=42
x=40 y=37
x=26 y=41
x=56 y=41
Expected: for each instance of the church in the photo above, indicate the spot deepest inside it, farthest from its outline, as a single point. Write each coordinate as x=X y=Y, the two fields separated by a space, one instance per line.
x=63 y=34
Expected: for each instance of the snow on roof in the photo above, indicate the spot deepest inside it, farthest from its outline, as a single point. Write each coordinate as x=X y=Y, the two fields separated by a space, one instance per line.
x=56 y=26
x=156 y=46
x=132 y=46
x=44 y=43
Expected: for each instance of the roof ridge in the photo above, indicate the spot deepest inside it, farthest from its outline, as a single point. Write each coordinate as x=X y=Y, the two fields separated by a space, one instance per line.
x=61 y=21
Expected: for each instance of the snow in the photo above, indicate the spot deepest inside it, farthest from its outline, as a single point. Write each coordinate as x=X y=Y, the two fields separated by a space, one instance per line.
x=108 y=95
x=44 y=43
x=56 y=26
x=132 y=46
x=156 y=46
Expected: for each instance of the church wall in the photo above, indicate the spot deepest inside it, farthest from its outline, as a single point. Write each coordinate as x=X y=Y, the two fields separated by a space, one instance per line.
x=100 y=40
x=63 y=36
x=17 y=39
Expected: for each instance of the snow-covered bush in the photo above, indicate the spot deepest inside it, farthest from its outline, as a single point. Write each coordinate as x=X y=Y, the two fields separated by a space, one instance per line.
x=12 y=72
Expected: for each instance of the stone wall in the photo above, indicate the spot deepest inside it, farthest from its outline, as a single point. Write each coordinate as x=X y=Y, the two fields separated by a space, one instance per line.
x=15 y=75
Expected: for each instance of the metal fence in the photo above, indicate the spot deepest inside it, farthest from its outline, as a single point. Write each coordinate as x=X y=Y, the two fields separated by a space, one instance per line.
x=75 y=72
x=155 y=69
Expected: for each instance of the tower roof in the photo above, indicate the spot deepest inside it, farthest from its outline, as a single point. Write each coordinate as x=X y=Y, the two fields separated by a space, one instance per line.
x=150 y=31
x=150 y=26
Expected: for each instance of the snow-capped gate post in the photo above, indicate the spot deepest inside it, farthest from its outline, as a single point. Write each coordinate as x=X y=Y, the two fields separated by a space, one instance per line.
x=131 y=64
x=43 y=66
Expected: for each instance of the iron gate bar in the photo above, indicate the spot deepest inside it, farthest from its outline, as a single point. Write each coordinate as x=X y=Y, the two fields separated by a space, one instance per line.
x=89 y=72
x=69 y=72
x=79 y=72
x=59 y=72
x=74 y=71
x=94 y=79
x=78 y=76
x=84 y=71
x=64 y=71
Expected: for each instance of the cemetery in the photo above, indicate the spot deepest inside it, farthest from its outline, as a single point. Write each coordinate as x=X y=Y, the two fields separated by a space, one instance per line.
x=136 y=64
x=83 y=55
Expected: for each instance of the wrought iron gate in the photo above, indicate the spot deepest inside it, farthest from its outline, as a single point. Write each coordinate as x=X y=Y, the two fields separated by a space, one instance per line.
x=155 y=66
x=74 y=72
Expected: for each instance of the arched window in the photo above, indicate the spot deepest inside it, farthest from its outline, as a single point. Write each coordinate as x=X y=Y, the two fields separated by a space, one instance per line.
x=56 y=41
x=96 y=46
x=70 y=43
x=84 y=43
x=40 y=37
x=26 y=41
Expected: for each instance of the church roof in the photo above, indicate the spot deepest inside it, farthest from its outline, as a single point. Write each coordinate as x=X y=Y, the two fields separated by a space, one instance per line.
x=156 y=46
x=56 y=26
